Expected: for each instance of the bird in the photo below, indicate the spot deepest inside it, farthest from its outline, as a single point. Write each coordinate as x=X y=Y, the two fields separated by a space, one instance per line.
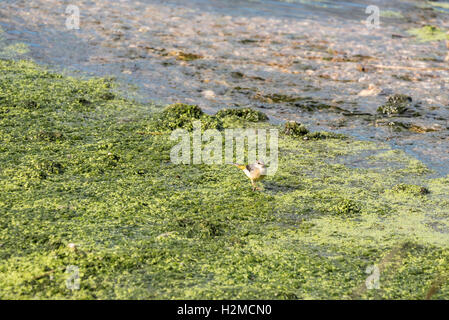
x=255 y=172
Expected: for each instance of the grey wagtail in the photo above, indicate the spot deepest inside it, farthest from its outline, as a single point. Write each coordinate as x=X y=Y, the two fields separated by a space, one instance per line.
x=255 y=172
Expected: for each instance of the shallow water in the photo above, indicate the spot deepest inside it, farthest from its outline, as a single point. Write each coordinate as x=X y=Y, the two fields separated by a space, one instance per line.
x=300 y=60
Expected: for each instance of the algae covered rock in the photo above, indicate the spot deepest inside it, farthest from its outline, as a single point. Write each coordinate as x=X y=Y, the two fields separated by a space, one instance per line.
x=295 y=129
x=181 y=115
x=346 y=207
x=396 y=104
x=246 y=114
x=181 y=110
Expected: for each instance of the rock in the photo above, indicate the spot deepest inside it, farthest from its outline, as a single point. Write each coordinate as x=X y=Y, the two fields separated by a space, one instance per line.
x=208 y=94
x=371 y=91
x=310 y=72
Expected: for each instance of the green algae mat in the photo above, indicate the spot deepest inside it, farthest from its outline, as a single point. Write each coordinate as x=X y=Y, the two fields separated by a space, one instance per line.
x=89 y=195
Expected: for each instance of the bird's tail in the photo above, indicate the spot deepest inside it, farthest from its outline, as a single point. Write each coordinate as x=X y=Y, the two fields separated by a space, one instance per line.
x=239 y=166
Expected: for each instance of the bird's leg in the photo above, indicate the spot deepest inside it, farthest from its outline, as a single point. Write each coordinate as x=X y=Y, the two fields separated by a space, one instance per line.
x=255 y=187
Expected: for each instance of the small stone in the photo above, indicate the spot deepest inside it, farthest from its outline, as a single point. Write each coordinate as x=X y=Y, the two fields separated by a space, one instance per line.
x=310 y=72
x=208 y=94
x=371 y=91
x=144 y=29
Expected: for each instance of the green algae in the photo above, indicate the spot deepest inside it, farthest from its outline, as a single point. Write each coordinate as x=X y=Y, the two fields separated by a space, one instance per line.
x=429 y=33
x=410 y=189
x=13 y=50
x=391 y=14
x=293 y=128
x=182 y=116
x=439 y=4
x=319 y=135
x=245 y=114
x=346 y=207
x=98 y=175
x=185 y=56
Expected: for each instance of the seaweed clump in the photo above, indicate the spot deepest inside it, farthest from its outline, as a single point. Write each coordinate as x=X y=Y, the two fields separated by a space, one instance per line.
x=429 y=33
x=346 y=207
x=295 y=129
x=181 y=115
x=410 y=189
x=396 y=104
x=246 y=114
x=276 y=98
x=322 y=135
x=186 y=56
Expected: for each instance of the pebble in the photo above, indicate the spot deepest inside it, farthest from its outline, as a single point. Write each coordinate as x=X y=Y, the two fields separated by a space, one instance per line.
x=371 y=91
x=209 y=94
